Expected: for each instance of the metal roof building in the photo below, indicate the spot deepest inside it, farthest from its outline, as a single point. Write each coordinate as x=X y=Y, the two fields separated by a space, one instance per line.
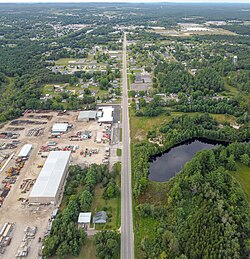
x=25 y=151
x=60 y=127
x=100 y=217
x=107 y=114
x=87 y=115
x=84 y=218
x=51 y=179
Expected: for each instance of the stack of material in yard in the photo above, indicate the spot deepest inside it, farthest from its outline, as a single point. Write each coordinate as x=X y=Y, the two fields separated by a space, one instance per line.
x=9 y=135
x=35 y=132
x=26 y=185
x=5 y=235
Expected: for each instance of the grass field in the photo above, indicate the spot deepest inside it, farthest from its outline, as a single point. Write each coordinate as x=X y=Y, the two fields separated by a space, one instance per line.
x=145 y=227
x=112 y=206
x=119 y=152
x=229 y=90
x=222 y=118
x=141 y=125
x=64 y=61
x=242 y=176
x=49 y=89
x=120 y=134
x=87 y=251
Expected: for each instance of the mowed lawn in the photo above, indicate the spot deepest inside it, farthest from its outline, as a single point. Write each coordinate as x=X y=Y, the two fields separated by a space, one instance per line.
x=242 y=176
x=112 y=206
x=64 y=61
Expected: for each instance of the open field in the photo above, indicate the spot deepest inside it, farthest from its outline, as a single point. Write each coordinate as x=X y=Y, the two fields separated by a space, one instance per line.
x=141 y=125
x=64 y=61
x=20 y=213
x=230 y=90
x=242 y=176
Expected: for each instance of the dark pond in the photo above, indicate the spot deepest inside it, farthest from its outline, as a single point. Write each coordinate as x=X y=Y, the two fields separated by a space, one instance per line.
x=168 y=164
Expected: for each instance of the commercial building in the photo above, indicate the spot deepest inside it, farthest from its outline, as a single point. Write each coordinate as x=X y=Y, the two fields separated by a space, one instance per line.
x=60 y=128
x=51 y=179
x=105 y=114
x=25 y=151
x=87 y=115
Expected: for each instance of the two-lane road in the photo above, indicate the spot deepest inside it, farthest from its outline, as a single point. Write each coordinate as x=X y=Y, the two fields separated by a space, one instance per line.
x=127 y=234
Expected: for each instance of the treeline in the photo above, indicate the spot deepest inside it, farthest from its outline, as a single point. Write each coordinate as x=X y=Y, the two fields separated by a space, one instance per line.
x=185 y=127
x=173 y=77
x=231 y=106
x=65 y=237
x=240 y=79
x=151 y=109
x=107 y=244
x=179 y=129
x=207 y=214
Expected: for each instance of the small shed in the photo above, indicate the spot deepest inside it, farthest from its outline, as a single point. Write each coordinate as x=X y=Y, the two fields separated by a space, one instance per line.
x=84 y=219
x=100 y=217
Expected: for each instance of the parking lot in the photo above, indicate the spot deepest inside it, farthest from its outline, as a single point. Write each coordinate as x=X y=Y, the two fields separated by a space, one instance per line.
x=88 y=141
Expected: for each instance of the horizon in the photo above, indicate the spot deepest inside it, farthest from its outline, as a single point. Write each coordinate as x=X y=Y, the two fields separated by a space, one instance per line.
x=128 y=1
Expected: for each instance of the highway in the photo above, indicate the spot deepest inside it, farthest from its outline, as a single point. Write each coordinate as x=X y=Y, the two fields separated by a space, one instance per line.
x=127 y=234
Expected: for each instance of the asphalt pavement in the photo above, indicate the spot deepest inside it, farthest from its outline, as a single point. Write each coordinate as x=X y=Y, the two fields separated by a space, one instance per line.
x=127 y=234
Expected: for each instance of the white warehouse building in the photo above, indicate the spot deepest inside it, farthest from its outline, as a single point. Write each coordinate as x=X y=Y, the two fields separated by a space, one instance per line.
x=25 y=151
x=51 y=179
x=105 y=114
x=60 y=128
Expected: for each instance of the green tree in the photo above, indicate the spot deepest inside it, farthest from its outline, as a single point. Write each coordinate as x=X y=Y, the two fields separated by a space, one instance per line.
x=245 y=159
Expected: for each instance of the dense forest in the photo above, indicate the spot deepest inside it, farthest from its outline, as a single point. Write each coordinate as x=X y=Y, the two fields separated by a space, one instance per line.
x=174 y=78
x=206 y=214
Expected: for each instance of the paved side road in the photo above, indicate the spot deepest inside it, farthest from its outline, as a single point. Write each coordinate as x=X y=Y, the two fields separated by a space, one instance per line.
x=127 y=234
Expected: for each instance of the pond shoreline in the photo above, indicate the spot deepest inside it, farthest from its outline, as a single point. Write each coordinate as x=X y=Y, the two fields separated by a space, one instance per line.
x=189 y=141
x=167 y=164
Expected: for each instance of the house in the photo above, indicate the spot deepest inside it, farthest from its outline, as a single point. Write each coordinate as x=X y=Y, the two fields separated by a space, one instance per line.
x=100 y=217
x=138 y=78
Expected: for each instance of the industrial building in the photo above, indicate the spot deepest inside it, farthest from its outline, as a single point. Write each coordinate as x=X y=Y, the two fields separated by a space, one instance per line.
x=59 y=128
x=25 y=151
x=51 y=179
x=87 y=115
x=105 y=114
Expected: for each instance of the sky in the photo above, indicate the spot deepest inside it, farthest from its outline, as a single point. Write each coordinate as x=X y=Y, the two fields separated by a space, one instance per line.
x=135 y=1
